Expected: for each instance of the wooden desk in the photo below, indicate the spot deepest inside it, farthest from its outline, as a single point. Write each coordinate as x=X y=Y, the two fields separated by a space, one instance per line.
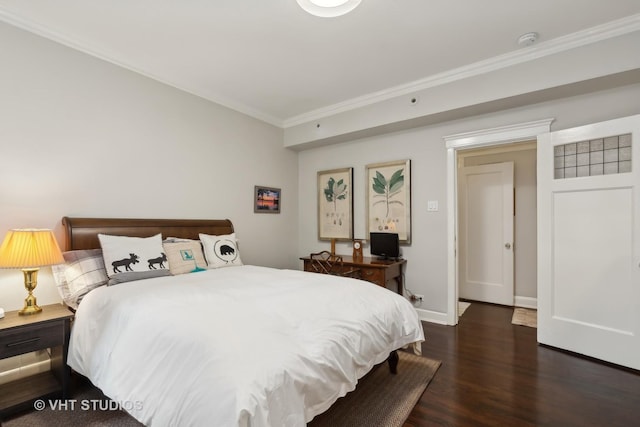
x=380 y=272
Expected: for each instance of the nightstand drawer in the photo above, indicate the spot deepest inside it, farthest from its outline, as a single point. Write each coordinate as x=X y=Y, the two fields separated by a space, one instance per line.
x=30 y=338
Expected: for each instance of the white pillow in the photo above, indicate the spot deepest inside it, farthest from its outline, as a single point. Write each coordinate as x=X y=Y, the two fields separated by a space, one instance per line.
x=133 y=258
x=221 y=251
x=83 y=271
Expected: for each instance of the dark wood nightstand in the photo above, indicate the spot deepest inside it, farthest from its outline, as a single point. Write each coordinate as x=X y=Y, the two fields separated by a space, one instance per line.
x=23 y=334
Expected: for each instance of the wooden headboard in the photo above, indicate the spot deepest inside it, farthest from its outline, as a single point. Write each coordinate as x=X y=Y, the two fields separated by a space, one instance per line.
x=82 y=233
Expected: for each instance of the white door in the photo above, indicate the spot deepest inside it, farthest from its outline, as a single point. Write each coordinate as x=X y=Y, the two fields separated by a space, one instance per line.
x=589 y=240
x=485 y=233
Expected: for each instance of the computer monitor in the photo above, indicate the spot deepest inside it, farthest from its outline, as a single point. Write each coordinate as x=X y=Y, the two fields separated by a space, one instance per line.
x=384 y=245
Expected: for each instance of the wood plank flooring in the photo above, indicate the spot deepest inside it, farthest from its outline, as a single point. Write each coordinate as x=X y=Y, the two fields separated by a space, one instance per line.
x=494 y=373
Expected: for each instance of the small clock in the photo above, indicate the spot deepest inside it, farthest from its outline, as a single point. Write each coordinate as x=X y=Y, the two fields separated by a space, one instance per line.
x=357 y=249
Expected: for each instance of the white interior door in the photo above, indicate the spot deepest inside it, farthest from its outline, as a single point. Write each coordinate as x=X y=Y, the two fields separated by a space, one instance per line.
x=485 y=213
x=589 y=240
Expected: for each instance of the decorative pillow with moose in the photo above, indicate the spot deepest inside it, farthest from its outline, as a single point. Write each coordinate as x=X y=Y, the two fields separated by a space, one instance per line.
x=133 y=258
x=221 y=251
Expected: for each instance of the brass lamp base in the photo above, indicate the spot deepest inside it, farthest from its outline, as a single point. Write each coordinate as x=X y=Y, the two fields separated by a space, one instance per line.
x=30 y=283
x=30 y=310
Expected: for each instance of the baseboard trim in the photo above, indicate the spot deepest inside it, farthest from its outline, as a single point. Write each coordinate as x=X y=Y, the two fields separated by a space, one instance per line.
x=441 y=318
x=432 y=316
x=526 y=302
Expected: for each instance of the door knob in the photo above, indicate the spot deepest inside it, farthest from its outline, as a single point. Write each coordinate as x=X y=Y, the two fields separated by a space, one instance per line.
x=507 y=245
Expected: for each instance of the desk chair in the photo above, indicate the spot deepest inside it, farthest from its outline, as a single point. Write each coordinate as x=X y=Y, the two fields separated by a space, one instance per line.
x=326 y=263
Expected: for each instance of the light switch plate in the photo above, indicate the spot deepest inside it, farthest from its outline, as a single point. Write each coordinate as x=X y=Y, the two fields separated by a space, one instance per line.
x=432 y=206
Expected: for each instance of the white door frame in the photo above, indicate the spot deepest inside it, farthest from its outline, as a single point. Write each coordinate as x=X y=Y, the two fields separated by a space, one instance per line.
x=483 y=138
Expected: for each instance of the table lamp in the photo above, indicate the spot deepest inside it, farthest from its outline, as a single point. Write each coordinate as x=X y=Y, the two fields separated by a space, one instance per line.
x=29 y=249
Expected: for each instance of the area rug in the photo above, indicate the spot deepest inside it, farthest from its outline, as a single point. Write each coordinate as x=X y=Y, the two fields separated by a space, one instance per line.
x=462 y=306
x=380 y=399
x=525 y=317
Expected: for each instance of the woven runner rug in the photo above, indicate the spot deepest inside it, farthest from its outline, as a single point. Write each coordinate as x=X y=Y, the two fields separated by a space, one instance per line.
x=525 y=317
x=380 y=399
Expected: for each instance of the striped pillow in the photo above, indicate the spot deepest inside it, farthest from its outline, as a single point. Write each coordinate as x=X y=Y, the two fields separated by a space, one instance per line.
x=82 y=272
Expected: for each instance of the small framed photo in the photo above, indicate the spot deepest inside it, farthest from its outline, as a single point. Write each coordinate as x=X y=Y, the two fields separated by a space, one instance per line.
x=266 y=199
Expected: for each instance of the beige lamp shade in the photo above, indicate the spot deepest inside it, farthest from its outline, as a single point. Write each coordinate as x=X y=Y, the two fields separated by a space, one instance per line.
x=29 y=248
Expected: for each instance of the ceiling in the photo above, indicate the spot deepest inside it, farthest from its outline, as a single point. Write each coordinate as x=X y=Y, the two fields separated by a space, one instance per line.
x=273 y=61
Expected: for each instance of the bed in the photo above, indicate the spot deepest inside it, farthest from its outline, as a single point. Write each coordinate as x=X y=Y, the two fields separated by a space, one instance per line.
x=235 y=346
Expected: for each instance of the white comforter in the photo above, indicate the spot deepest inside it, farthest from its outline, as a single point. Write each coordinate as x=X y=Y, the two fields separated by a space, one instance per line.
x=236 y=346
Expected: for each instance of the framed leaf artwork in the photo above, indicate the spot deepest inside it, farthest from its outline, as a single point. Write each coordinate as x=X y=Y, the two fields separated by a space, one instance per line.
x=335 y=204
x=389 y=198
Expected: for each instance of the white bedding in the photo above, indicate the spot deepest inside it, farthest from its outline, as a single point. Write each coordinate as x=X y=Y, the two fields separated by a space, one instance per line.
x=236 y=346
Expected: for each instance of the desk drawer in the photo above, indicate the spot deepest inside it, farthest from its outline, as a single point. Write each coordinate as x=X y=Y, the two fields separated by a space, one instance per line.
x=373 y=275
x=30 y=338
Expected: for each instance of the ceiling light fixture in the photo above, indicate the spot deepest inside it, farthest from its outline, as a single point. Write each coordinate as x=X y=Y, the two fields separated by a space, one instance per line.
x=328 y=8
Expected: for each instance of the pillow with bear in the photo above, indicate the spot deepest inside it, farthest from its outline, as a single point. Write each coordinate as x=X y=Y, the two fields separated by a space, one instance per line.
x=133 y=258
x=184 y=255
x=221 y=251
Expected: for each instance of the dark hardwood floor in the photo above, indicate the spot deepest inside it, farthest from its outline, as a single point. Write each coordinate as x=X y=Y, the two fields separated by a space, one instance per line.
x=494 y=373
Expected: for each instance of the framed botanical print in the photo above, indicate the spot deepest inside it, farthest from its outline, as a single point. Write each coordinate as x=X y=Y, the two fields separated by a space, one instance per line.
x=389 y=198
x=335 y=204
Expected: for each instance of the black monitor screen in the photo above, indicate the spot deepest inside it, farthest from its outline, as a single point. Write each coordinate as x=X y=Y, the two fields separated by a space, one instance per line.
x=385 y=245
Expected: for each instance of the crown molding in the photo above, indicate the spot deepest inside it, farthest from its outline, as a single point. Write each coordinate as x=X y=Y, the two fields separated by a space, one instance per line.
x=499 y=135
x=40 y=30
x=589 y=36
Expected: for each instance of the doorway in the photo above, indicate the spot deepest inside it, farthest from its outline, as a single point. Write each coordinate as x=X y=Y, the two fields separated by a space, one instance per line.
x=498 y=140
x=508 y=255
x=486 y=215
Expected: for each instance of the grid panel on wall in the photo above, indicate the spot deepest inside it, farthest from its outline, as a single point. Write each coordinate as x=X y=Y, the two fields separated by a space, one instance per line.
x=602 y=156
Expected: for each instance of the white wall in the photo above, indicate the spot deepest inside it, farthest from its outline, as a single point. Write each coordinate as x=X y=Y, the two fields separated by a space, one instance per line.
x=82 y=137
x=426 y=271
